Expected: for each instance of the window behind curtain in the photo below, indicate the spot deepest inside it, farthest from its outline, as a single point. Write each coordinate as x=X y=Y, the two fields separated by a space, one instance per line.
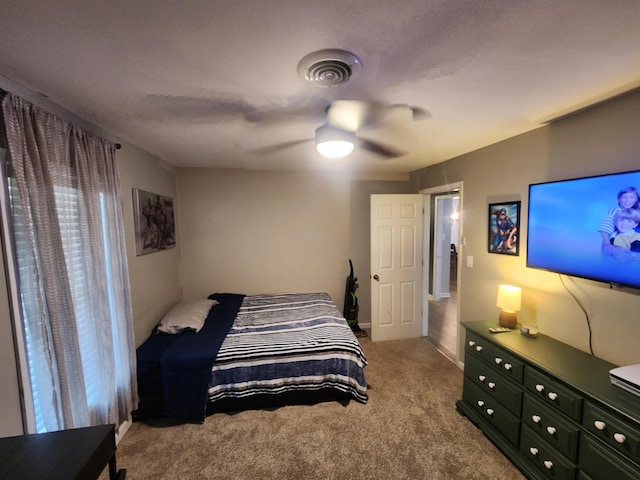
x=67 y=201
x=69 y=275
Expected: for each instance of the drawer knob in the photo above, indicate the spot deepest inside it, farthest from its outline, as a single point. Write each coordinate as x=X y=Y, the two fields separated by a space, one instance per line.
x=498 y=360
x=540 y=387
x=491 y=385
x=548 y=464
x=481 y=403
x=508 y=366
x=489 y=411
x=479 y=348
x=533 y=450
x=600 y=425
x=482 y=378
x=552 y=395
x=471 y=343
x=619 y=437
x=551 y=430
x=536 y=418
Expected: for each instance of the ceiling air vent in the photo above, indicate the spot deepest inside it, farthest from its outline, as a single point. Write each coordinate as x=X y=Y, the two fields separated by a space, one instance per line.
x=326 y=68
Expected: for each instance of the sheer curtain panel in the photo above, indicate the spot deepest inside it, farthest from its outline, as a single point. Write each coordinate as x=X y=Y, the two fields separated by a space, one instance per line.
x=73 y=281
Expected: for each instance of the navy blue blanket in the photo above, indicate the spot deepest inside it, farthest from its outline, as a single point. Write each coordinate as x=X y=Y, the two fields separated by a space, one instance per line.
x=179 y=366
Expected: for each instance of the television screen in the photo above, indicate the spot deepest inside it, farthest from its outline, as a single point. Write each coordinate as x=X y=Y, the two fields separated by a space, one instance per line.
x=587 y=227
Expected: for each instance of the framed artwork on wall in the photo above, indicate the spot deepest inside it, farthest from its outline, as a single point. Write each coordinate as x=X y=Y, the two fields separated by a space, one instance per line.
x=504 y=228
x=154 y=222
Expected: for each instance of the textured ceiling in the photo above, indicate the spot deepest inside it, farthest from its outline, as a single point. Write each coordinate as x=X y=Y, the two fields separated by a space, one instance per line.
x=215 y=83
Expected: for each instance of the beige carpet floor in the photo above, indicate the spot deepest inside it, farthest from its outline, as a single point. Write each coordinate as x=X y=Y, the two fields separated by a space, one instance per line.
x=409 y=429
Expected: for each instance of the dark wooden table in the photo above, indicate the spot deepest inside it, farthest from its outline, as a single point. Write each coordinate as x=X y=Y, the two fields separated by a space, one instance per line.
x=77 y=454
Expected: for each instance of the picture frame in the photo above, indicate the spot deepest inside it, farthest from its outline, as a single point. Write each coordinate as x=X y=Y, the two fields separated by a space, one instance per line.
x=504 y=228
x=154 y=222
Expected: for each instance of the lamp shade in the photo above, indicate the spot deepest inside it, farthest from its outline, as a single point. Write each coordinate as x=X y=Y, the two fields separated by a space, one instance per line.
x=509 y=298
x=334 y=142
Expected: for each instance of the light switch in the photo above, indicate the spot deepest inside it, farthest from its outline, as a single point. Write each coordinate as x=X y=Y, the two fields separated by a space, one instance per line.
x=469 y=261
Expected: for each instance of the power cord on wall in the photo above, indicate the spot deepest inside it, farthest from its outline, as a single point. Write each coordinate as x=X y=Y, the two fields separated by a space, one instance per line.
x=586 y=315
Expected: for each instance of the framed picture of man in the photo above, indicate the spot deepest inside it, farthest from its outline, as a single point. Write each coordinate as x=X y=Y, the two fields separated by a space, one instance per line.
x=504 y=228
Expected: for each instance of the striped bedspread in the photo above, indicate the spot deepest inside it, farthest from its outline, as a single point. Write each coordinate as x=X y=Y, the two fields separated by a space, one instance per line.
x=285 y=343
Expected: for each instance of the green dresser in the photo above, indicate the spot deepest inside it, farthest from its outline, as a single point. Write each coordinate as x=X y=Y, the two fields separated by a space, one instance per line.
x=550 y=408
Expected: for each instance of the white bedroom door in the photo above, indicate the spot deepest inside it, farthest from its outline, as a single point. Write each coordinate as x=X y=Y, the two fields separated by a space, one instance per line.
x=396 y=266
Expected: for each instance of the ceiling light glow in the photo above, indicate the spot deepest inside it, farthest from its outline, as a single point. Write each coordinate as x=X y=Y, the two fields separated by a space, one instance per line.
x=335 y=149
x=334 y=142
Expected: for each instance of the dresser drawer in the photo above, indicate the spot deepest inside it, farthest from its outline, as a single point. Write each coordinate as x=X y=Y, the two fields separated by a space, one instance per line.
x=477 y=346
x=498 y=386
x=508 y=364
x=619 y=434
x=548 y=460
x=495 y=356
x=553 y=393
x=602 y=463
x=492 y=411
x=551 y=426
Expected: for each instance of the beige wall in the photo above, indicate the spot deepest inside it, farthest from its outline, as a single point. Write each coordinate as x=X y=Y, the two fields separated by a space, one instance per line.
x=262 y=232
x=600 y=140
x=10 y=413
x=155 y=283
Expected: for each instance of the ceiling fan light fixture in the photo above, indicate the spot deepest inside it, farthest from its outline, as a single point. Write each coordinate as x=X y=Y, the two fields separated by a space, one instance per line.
x=335 y=149
x=333 y=142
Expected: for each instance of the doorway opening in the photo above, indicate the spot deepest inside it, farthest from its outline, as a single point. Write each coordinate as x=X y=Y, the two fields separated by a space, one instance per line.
x=442 y=242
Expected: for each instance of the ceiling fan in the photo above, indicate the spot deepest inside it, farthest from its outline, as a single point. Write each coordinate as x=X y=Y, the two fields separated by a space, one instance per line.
x=344 y=120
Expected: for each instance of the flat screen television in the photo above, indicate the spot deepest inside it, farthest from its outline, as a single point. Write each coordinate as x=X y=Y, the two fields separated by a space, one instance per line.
x=565 y=223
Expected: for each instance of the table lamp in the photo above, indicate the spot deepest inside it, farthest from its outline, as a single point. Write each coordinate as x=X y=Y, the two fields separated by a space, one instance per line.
x=509 y=299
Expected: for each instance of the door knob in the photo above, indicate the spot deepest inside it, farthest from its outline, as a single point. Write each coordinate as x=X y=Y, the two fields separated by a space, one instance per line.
x=376 y=278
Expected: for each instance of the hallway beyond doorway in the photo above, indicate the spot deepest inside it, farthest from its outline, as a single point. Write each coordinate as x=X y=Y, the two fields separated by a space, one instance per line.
x=443 y=318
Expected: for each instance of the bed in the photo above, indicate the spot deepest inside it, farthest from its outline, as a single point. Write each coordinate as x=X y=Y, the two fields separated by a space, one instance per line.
x=252 y=351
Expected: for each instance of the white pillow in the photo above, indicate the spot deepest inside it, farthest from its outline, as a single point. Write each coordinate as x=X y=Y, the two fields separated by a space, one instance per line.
x=188 y=315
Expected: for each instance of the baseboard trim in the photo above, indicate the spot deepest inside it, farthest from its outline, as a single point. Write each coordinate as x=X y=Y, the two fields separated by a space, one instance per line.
x=122 y=429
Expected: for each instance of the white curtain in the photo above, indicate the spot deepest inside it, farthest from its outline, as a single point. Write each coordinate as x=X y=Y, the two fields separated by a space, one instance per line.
x=67 y=226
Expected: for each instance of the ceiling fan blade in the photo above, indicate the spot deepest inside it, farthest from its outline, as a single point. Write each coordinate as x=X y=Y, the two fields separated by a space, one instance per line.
x=193 y=109
x=417 y=113
x=313 y=108
x=380 y=149
x=356 y=115
x=268 y=150
x=219 y=107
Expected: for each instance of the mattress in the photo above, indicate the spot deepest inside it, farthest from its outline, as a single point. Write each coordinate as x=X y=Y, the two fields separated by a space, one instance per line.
x=253 y=351
x=286 y=343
